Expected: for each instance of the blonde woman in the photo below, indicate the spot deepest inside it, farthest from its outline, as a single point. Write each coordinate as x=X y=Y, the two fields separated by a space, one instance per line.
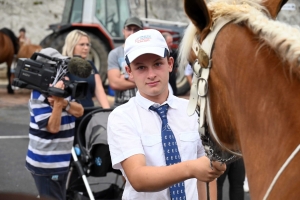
x=78 y=43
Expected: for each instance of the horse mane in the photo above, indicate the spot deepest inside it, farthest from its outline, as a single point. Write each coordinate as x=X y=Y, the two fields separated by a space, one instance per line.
x=12 y=37
x=281 y=37
x=185 y=45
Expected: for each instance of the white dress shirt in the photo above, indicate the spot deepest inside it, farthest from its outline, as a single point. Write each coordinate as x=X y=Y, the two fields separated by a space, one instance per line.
x=134 y=129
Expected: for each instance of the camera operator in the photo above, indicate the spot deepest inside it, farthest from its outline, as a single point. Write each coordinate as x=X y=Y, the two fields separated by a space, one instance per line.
x=51 y=135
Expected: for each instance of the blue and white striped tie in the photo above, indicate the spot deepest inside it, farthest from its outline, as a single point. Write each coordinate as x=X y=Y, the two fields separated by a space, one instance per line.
x=172 y=154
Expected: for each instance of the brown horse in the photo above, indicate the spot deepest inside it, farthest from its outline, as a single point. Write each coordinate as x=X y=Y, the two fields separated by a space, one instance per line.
x=253 y=88
x=8 y=47
x=26 y=50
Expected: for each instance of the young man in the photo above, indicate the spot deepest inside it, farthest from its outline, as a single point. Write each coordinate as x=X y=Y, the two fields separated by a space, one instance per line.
x=152 y=140
x=51 y=135
x=118 y=78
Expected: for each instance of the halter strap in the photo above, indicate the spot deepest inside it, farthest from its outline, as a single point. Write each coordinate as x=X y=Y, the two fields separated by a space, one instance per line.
x=199 y=98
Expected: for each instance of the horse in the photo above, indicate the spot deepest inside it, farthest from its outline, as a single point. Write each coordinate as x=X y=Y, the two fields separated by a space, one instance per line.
x=8 y=48
x=252 y=94
x=26 y=50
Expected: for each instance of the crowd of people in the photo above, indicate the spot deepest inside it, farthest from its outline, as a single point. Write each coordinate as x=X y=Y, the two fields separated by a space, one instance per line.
x=150 y=136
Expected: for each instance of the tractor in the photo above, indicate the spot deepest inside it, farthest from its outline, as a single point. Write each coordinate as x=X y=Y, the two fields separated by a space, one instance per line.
x=103 y=21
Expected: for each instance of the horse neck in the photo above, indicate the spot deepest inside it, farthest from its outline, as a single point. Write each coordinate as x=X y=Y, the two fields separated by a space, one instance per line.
x=6 y=50
x=256 y=100
x=12 y=37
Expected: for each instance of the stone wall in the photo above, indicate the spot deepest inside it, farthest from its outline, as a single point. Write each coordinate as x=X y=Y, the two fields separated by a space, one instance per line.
x=291 y=16
x=36 y=15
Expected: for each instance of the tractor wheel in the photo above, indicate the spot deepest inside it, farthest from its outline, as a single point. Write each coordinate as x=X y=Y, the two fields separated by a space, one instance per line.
x=46 y=42
x=99 y=55
x=98 y=52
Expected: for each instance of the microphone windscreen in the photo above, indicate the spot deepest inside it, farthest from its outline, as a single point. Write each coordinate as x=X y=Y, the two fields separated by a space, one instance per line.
x=80 y=67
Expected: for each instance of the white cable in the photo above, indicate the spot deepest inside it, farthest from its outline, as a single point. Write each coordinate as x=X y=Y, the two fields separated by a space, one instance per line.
x=280 y=171
x=62 y=70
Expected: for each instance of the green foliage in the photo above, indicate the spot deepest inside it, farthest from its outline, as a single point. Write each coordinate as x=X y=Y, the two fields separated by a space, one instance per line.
x=37 y=3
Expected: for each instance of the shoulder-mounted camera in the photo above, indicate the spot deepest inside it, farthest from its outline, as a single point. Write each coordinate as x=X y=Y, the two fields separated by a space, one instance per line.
x=39 y=74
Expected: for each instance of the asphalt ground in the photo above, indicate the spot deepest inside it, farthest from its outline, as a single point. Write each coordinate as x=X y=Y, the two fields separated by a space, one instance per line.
x=14 y=120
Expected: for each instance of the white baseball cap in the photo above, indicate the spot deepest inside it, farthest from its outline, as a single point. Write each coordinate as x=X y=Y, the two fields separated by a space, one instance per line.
x=144 y=42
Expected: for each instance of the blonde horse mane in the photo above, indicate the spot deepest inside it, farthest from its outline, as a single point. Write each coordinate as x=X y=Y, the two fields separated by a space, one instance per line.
x=283 y=38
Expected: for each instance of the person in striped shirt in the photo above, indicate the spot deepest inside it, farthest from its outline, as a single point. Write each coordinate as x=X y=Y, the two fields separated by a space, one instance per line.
x=51 y=135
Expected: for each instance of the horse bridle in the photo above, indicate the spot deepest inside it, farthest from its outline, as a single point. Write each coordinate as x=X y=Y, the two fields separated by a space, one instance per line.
x=199 y=97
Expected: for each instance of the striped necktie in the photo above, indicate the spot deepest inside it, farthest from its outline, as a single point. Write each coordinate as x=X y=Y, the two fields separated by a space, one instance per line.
x=171 y=152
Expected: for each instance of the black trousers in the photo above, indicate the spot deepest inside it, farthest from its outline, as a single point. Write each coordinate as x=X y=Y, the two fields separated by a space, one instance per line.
x=236 y=176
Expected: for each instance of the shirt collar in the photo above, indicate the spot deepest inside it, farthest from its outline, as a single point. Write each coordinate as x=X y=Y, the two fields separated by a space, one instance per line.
x=146 y=103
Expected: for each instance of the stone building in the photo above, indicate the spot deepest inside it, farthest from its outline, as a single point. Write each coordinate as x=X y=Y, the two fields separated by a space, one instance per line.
x=34 y=15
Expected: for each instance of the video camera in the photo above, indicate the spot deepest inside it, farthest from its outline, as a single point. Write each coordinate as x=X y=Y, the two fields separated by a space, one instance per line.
x=39 y=74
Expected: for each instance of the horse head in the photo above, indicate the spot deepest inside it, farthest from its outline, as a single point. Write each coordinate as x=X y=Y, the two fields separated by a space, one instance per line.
x=203 y=16
x=253 y=84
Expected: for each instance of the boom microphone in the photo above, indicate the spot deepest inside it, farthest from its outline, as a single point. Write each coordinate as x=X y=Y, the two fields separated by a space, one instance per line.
x=79 y=67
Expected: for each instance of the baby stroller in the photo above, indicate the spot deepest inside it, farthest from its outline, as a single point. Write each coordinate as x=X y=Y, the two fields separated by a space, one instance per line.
x=91 y=159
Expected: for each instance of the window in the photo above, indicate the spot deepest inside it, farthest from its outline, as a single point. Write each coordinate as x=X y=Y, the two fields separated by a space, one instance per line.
x=112 y=14
x=77 y=8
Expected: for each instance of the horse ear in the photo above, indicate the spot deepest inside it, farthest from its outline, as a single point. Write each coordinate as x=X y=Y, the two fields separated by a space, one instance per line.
x=199 y=14
x=274 y=6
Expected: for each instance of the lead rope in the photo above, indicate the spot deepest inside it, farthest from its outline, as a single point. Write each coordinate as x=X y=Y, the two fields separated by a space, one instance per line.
x=207 y=191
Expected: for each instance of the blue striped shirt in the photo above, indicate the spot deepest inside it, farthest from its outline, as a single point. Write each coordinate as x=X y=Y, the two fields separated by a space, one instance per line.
x=48 y=153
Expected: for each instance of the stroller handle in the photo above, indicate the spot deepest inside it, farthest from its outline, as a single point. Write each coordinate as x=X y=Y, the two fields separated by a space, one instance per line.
x=84 y=121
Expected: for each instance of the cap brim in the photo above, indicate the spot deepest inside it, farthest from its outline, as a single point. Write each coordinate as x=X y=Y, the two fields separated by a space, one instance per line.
x=160 y=51
x=135 y=24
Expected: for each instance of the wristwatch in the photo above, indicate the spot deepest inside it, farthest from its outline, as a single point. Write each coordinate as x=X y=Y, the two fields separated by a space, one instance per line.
x=68 y=106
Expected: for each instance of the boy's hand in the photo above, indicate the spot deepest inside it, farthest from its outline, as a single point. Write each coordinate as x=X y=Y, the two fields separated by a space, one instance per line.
x=201 y=169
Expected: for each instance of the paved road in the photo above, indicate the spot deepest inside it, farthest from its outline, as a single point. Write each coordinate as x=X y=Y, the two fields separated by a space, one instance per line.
x=14 y=118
